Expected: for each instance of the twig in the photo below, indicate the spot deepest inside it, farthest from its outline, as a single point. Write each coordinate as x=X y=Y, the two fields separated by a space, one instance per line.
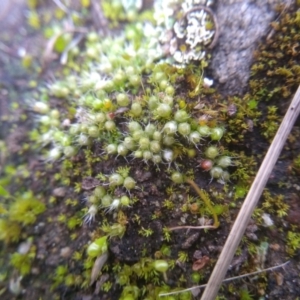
x=226 y=280
x=251 y=200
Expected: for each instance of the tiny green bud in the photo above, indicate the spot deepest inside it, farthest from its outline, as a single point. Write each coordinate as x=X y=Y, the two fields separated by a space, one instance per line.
x=216 y=172
x=212 y=152
x=168 y=140
x=164 y=110
x=94 y=131
x=111 y=148
x=181 y=116
x=106 y=200
x=125 y=201
x=100 y=117
x=155 y=146
x=69 y=151
x=136 y=109
x=157 y=136
x=216 y=133
x=170 y=127
x=184 y=129
x=156 y=158
x=144 y=143
x=123 y=100
x=150 y=129
x=195 y=137
x=115 y=179
x=177 y=177
x=99 y=192
x=129 y=143
x=129 y=183
x=98 y=247
x=204 y=130
x=161 y=265
x=224 y=162
x=147 y=155
x=122 y=150
x=110 y=125
x=134 y=126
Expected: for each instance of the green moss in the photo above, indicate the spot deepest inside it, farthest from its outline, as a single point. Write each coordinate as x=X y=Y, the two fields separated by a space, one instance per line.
x=25 y=209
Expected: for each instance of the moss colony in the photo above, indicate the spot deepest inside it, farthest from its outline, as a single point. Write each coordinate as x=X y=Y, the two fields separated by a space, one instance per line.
x=125 y=127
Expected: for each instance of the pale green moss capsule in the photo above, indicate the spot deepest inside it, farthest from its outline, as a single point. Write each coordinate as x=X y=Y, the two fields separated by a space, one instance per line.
x=168 y=155
x=144 y=143
x=204 y=130
x=134 y=126
x=156 y=158
x=138 y=154
x=168 y=100
x=161 y=265
x=119 y=77
x=168 y=140
x=115 y=179
x=74 y=129
x=41 y=107
x=164 y=110
x=129 y=143
x=155 y=146
x=177 y=177
x=147 y=155
x=181 y=116
x=170 y=127
x=225 y=176
x=94 y=131
x=99 y=192
x=153 y=103
x=129 y=183
x=69 y=151
x=224 y=162
x=122 y=150
x=98 y=247
x=170 y=90
x=106 y=200
x=137 y=135
x=216 y=133
x=46 y=120
x=100 y=117
x=110 y=125
x=184 y=128
x=164 y=84
x=159 y=76
x=83 y=140
x=97 y=104
x=212 y=152
x=136 y=109
x=135 y=80
x=111 y=148
x=194 y=137
x=216 y=172
x=150 y=129
x=54 y=154
x=125 y=201
x=157 y=136
x=54 y=113
x=123 y=100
